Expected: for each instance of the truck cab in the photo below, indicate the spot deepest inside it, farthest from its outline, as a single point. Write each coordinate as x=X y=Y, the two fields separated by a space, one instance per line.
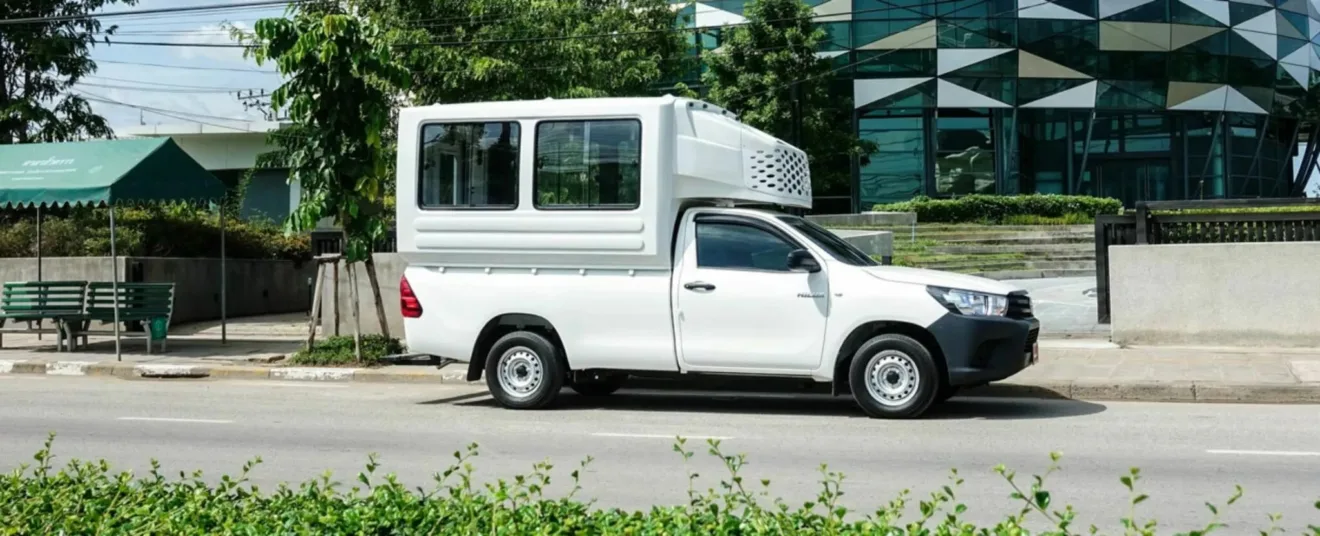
x=578 y=243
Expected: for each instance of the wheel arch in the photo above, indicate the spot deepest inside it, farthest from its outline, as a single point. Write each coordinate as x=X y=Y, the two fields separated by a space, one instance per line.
x=864 y=332
x=505 y=324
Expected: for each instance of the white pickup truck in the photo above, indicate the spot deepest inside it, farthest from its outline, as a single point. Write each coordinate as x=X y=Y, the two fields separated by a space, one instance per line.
x=579 y=242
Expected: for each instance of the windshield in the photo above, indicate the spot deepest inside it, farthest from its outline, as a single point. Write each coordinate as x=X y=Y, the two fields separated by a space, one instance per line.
x=837 y=247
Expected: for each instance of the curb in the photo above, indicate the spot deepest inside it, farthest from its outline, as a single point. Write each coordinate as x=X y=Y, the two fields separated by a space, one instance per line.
x=1281 y=393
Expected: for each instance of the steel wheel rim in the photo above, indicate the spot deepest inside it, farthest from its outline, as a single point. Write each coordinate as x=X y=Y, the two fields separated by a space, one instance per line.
x=520 y=372
x=892 y=378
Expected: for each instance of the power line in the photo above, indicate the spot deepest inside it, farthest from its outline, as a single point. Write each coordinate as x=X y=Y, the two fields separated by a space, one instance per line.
x=97 y=98
x=157 y=11
x=538 y=39
x=164 y=84
x=196 y=91
x=187 y=67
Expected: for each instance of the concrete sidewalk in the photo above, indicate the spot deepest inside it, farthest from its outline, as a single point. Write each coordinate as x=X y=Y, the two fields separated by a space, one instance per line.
x=1087 y=370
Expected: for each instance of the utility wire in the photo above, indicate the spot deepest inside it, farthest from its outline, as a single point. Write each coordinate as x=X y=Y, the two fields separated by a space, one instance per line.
x=157 y=11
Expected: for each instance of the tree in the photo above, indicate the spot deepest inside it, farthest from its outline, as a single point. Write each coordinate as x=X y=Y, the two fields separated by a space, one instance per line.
x=340 y=84
x=40 y=62
x=486 y=50
x=768 y=73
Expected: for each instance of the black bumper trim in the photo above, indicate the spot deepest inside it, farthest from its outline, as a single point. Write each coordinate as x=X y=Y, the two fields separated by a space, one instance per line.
x=979 y=350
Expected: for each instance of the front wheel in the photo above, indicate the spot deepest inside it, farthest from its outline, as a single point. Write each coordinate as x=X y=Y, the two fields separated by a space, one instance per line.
x=894 y=377
x=524 y=371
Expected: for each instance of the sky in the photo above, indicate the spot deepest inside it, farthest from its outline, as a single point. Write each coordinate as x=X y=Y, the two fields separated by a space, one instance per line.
x=200 y=83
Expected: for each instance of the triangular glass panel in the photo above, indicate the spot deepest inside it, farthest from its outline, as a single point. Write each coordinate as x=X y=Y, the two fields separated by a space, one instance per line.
x=1295 y=6
x=1085 y=7
x=1292 y=25
x=1240 y=13
x=999 y=89
x=1288 y=46
x=1261 y=96
x=1239 y=45
x=1130 y=95
x=1004 y=65
x=1180 y=13
x=1034 y=89
x=1157 y=11
x=919 y=96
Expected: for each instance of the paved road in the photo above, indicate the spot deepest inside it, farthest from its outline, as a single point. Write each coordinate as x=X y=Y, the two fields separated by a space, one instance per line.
x=1189 y=453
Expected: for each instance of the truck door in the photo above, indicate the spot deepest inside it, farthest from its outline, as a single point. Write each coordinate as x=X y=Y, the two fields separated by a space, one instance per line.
x=739 y=306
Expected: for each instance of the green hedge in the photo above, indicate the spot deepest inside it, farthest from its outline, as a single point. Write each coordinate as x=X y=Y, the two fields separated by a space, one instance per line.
x=153 y=231
x=87 y=498
x=997 y=209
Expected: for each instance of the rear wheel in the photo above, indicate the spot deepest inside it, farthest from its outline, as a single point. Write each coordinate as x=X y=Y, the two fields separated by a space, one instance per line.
x=894 y=377
x=524 y=371
x=598 y=385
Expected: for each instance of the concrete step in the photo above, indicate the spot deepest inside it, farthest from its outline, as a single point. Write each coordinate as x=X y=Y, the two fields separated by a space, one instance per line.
x=947 y=236
x=1005 y=265
x=970 y=228
x=1024 y=241
x=1034 y=274
x=1028 y=249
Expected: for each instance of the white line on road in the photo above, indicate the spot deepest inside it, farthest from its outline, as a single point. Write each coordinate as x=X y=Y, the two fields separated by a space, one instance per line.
x=1265 y=452
x=167 y=419
x=659 y=436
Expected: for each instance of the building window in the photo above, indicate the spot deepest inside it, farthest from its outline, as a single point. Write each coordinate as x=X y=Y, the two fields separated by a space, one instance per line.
x=965 y=153
x=469 y=165
x=897 y=169
x=588 y=164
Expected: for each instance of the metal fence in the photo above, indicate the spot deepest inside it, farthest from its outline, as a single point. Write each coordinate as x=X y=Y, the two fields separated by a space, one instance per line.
x=1229 y=223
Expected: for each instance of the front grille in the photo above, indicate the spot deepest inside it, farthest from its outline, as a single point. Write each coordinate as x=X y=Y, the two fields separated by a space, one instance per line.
x=1019 y=305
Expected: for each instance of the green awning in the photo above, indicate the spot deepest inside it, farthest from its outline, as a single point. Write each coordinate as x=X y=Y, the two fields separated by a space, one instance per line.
x=102 y=172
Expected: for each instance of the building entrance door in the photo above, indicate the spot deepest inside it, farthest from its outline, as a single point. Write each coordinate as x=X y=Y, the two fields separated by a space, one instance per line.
x=1132 y=180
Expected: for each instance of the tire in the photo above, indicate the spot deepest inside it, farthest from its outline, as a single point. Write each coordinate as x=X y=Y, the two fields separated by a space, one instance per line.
x=601 y=385
x=906 y=379
x=524 y=370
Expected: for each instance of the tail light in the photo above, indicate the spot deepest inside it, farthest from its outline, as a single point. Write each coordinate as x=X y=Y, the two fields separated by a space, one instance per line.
x=408 y=302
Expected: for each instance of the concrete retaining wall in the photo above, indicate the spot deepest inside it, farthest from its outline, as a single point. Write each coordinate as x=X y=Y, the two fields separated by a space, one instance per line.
x=255 y=287
x=1257 y=294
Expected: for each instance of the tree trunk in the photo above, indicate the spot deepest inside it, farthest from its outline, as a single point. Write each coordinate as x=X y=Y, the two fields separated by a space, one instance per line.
x=375 y=293
x=357 y=318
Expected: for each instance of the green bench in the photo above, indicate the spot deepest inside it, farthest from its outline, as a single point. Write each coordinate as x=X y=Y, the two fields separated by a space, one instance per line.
x=138 y=302
x=34 y=302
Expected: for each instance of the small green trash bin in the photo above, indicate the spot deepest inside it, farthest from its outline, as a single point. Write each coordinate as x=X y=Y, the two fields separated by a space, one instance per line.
x=159 y=328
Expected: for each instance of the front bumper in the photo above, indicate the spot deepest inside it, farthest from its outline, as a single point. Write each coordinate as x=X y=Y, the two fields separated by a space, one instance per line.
x=979 y=350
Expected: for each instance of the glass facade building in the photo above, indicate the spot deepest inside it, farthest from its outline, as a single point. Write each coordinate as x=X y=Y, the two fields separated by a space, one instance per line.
x=1131 y=99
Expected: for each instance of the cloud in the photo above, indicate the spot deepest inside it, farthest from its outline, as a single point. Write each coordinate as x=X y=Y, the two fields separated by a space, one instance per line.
x=216 y=34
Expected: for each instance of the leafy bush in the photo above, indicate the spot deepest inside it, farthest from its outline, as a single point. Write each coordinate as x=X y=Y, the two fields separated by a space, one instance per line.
x=151 y=231
x=339 y=351
x=997 y=209
x=87 y=498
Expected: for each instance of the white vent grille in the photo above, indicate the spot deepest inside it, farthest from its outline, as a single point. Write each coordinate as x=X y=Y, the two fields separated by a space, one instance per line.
x=781 y=171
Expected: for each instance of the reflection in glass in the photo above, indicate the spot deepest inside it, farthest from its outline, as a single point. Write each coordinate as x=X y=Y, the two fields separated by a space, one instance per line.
x=469 y=165
x=588 y=163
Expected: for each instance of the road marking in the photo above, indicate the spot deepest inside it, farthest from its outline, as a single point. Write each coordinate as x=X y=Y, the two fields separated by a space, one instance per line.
x=659 y=436
x=1265 y=452
x=168 y=419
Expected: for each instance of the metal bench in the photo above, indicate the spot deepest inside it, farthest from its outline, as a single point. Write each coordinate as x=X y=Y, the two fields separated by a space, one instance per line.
x=138 y=302
x=34 y=302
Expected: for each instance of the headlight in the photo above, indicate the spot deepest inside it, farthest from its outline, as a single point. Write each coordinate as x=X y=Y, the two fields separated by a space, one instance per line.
x=970 y=303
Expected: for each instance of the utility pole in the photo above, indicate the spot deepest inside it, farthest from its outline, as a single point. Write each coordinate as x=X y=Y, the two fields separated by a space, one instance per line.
x=258 y=100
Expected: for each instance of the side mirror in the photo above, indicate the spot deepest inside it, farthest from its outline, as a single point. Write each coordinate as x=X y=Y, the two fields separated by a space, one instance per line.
x=801 y=259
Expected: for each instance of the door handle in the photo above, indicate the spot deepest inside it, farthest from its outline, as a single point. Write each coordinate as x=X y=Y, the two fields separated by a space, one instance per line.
x=699 y=285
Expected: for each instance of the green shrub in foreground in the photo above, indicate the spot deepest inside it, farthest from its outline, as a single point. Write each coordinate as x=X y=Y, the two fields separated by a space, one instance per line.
x=87 y=498
x=339 y=351
x=997 y=209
